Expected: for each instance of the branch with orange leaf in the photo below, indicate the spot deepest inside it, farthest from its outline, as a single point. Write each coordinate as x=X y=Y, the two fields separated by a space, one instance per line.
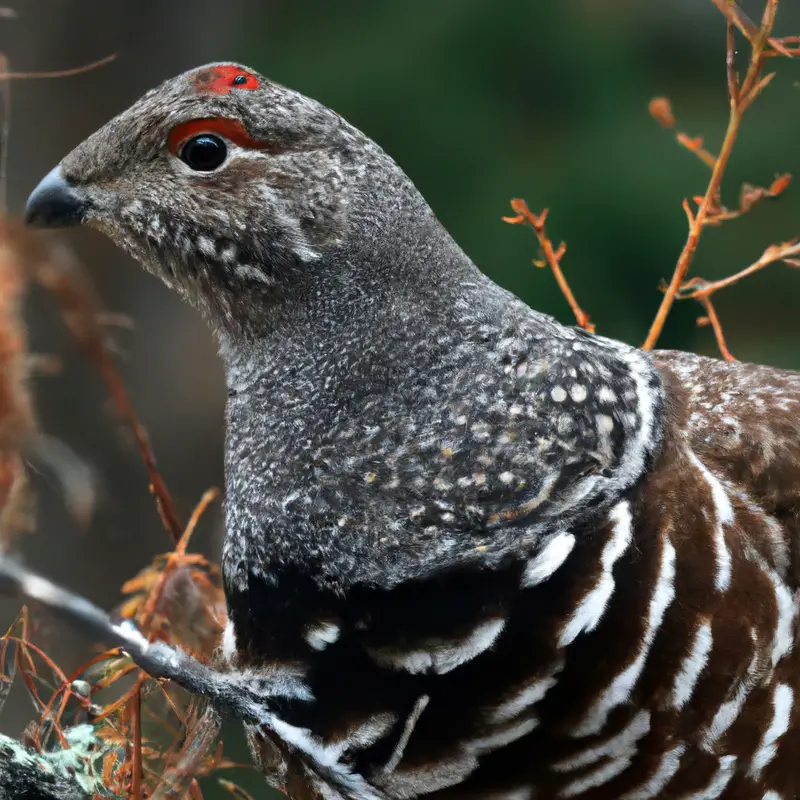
x=551 y=256
x=702 y=290
x=708 y=210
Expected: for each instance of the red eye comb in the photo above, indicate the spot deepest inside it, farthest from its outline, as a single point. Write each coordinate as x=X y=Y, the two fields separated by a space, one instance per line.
x=231 y=129
x=223 y=80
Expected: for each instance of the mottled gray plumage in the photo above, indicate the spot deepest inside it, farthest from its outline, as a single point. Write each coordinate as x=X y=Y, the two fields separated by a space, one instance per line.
x=356 y=307
x=443 y=505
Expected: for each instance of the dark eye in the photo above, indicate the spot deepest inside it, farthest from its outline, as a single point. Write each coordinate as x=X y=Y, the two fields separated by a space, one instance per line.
x=240 y=80
x=204 y=153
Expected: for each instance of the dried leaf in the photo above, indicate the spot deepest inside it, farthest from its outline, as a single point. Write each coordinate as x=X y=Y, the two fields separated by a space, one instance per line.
x=661 y=110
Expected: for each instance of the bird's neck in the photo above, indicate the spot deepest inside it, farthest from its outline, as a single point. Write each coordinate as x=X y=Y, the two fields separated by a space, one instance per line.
x=391 y=256
x=397 y=282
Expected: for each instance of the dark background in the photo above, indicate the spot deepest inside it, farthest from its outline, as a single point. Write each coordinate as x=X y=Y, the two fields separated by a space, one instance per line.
x=479 y=101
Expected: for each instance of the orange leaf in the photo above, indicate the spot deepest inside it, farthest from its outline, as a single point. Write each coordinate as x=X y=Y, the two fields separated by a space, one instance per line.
x=661 y=111
x=690 y=144
x=779 y=185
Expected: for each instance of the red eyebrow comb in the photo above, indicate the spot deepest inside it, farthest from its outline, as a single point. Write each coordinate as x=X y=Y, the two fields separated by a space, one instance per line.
x=224 y=79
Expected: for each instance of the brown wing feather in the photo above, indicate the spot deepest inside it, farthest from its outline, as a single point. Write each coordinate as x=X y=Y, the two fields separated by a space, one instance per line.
x=743 y=421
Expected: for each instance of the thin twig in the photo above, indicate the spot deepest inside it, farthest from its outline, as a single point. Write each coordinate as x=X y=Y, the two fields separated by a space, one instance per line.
x=552 y=257
x=59 y=73
x=136 y=741
x=696 y=146
x=697 y=288
x=174 y=558
x=79 y=308
x=701 y=290
x=730 y=64
x=739 y=101
x=5 y=113
x=713 y=320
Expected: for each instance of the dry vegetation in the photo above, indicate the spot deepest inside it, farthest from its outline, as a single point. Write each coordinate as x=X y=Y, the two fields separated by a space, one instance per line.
x=154 y=738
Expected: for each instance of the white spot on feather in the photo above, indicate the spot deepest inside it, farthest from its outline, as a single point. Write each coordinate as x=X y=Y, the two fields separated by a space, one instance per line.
x=605 y=424
x=228 y=642
x=548 y=560
x=206 y=246
x=440 y=656
x=578 y=393
x=322 y=634
x=605 y=394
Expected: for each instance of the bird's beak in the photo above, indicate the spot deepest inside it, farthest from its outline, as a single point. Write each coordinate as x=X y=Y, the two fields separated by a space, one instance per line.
x=56 y=203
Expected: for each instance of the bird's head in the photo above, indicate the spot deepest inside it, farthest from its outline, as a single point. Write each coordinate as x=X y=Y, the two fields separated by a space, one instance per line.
x=227 y=186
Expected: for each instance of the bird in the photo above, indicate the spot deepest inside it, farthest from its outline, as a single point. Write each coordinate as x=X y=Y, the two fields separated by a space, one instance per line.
x=469 y=551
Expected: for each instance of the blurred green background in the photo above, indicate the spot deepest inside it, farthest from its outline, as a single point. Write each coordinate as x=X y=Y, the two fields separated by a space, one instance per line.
x=479 y=101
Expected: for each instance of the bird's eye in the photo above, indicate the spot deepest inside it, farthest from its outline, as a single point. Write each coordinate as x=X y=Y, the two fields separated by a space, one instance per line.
x=204 y=153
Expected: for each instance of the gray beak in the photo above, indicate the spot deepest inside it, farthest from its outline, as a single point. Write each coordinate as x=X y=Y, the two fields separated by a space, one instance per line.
x=55 y=203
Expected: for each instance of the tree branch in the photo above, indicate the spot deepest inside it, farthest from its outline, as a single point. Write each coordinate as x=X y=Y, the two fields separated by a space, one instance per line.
x=241 y=694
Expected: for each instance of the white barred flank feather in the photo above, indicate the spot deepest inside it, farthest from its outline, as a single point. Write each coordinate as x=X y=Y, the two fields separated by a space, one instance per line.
x=228 y=642
x=597 y=777
x=693 y=665
x=670 y=762
x=522 y=700
x=590 y=609
x=620 y=688
x=719 y=780
x=502 y=735
x=621 y=745
x=782 y=703
x=729 y=711
x=723 y=511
